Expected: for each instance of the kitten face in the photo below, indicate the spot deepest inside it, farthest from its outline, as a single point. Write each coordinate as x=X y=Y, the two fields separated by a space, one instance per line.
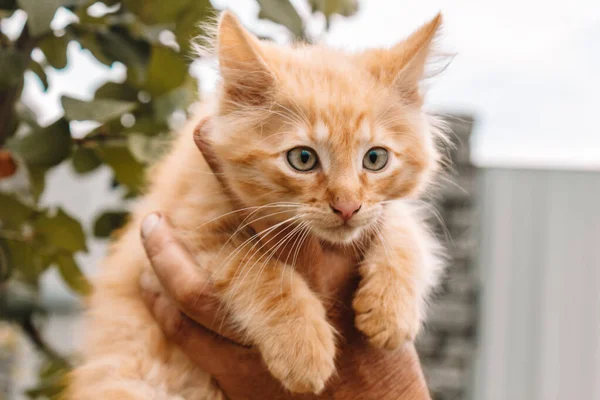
x=322 y=138
x=336 y=170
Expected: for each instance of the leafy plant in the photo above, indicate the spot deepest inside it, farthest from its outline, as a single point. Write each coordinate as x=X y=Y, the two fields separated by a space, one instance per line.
x=151 y=38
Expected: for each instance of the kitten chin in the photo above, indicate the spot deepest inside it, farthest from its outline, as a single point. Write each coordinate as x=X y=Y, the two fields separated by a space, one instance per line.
x=343 y=235
x=340 y=235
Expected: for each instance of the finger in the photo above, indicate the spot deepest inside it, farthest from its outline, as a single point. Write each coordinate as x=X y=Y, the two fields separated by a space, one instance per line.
x=172 y=263
x=201 y=134
x=150 y=293
x=209 y=351
x=181 y=278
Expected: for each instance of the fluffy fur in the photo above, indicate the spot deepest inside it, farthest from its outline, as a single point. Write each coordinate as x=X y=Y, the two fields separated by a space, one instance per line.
x=273 y=99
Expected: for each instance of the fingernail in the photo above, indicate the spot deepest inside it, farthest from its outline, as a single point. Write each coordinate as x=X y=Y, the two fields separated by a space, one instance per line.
x=149 y=223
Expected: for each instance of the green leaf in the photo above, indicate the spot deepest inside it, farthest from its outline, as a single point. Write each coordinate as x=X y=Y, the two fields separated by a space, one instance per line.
x=61 y=231
x=85 y=160
x=149 y=33
x=55 y=50
x=12 y=67
x=71 y=274
x=116 y=91
x=47 y=389
x=8 y=4
x=52 y=380
x=164 y=106
x=167 y=71
x=13 y=212
x=118 y=45
x=5 y=264
x=44 y=146
x=282 y=12
x=128 y=171
x=26 y=114
x=148 y=125
x=88 y=41
x=153 y=12
x=108 y=221
x=27 y=260
x=187 y=27
x=5 y=14
x=345 y=8
x=87 y=19
x=53 y=367
x=37 y=69
x=37 y=180
x=148 y=149
x=40 y=13
x=101 y=110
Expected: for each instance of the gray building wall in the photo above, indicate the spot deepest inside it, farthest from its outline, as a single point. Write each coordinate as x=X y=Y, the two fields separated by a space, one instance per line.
x=540 y=273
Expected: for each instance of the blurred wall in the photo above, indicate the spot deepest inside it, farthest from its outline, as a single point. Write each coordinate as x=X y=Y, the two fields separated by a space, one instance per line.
x=540 y=272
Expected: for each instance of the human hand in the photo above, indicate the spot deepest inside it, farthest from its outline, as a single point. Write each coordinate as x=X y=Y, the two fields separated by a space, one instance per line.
x=186 y=307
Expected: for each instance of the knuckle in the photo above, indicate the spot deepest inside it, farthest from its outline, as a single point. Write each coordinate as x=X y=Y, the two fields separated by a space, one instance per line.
x=189 y=297
x=177 y=328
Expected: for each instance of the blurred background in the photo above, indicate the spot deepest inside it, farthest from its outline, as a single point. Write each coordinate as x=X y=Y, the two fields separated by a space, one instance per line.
x=89 y=91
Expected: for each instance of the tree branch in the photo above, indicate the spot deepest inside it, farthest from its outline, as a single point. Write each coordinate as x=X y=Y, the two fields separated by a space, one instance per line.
x=36 y=338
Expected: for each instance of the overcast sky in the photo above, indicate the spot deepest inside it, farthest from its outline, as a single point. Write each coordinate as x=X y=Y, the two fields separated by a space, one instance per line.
x=527 y=70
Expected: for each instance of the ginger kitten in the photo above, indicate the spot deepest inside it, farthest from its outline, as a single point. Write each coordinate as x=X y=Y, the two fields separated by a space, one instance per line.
x=316 y=144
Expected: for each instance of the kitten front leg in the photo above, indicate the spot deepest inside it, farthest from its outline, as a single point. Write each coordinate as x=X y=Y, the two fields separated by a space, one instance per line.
x=387 y=307
x=285 y=320
x=397 y=273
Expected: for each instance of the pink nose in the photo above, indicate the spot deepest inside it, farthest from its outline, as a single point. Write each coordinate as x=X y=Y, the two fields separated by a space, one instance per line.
x=346 y=209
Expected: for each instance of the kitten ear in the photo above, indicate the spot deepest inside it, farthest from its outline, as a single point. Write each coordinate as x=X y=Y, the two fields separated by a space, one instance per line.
x=246 y=77
x=403 y=66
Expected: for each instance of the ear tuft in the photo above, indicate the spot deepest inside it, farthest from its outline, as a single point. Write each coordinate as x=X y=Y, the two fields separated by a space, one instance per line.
x=246 y=76
x=416 y=50
x=403 y=66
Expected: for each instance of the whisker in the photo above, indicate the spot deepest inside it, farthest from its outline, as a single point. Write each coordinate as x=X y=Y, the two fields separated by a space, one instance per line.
x=242 y=225
x=242 y=264
x=436 y=214
x=271 y=253
x=252 y=238
x=297 y=252
x=281 y=204
x=383 y=243
x=303 y=226
x=250 y=255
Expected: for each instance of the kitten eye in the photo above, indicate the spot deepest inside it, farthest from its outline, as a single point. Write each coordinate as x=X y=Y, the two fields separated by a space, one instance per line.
x=302 y=158
x=375 y=159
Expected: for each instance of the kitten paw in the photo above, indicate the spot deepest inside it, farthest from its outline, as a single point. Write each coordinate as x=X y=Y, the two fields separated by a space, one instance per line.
x=387 y=318
x=302 y=355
